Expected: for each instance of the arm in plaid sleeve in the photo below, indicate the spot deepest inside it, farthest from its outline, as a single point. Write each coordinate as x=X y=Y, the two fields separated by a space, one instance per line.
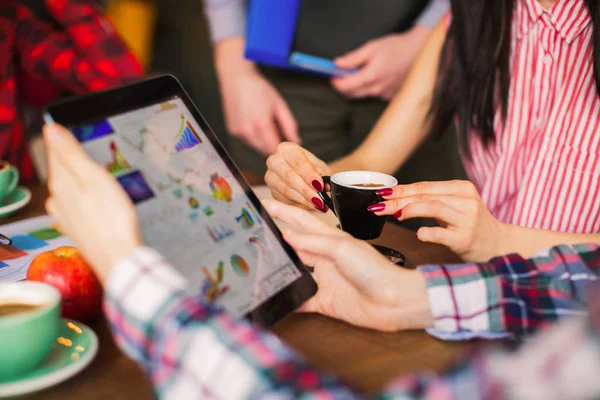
x=510 y=295
x=192 y=350
x=87 y=55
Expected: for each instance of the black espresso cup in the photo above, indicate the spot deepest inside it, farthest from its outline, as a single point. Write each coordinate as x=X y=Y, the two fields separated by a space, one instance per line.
x=352 y=192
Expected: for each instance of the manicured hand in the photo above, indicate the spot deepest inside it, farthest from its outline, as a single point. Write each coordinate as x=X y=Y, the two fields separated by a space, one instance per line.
x=467 y=226
x=294 y=176
x=383 y=64
x=356 y=283
x=254 y=110
x=88 y=203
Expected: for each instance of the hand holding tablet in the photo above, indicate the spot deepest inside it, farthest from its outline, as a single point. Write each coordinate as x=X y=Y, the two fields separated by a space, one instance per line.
x=191 y=201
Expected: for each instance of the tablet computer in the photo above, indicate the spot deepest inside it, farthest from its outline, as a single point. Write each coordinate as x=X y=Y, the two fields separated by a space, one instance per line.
x=194 y=205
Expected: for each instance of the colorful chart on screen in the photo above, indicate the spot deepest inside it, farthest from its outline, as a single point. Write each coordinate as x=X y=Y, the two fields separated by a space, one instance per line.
x=191 y=207
x=239 y=265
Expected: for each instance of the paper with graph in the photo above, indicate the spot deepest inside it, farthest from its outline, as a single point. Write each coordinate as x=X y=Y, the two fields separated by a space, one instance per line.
x=30 y=237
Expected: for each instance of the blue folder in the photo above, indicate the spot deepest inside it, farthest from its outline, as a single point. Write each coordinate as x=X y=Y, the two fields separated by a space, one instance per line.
x=270 y=32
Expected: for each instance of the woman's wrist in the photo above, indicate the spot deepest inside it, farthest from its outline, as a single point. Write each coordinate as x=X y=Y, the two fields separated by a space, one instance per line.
x=412 y=303
x=120 y=251
x=229 y=57
x=505 y=241
x=528 y=241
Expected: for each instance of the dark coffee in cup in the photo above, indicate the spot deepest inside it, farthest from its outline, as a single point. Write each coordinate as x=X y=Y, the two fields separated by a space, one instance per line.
x=369 y=185
x=352 y=192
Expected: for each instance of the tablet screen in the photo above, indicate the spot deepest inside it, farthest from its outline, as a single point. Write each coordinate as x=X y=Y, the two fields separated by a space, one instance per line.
x=191 y=207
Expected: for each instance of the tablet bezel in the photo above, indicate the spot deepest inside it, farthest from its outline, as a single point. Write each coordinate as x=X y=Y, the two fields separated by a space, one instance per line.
x=84 y=109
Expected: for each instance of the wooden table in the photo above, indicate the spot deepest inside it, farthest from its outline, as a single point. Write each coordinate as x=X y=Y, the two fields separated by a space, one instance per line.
x=366 y=358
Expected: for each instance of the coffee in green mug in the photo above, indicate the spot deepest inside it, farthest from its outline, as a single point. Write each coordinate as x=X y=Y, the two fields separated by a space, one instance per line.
x=29 y=321
x=9 y=177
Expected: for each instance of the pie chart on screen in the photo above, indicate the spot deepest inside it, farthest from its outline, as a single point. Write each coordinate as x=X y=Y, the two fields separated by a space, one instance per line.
x=240 y=266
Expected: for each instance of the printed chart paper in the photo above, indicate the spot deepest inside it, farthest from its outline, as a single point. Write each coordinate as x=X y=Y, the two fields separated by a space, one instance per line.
x=30 y=237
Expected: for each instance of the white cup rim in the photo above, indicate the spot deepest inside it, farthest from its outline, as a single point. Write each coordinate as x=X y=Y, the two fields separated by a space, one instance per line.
x=28 y=292
x=345 y=179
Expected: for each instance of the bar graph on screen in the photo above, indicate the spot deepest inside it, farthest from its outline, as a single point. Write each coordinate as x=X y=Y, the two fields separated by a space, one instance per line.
x=187 y=137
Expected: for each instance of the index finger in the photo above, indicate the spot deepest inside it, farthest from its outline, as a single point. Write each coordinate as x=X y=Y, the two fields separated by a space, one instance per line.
x=438 y=188
x=300 y=218
x=356 y=84
x=355 y=58
x=303 y=167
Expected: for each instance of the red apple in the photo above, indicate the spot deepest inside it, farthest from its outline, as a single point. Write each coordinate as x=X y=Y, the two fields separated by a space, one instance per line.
x=66 y=270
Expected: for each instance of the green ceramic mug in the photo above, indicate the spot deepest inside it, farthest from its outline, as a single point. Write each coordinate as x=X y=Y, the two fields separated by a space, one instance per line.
x=29 y=321
x=9 y=177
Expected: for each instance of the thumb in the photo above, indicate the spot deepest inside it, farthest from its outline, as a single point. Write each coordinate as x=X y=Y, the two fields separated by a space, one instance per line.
x=67 y=151
x=355 y=58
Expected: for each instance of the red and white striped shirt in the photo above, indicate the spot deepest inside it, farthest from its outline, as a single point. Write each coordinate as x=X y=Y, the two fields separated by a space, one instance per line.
x=543 y=171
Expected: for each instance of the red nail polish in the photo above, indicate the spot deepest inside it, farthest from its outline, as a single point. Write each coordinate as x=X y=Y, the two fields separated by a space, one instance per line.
x=324 y=209
x=318 y=203
x=376 y=207
x=317 y=185
x=398 y=214
x=385 y=192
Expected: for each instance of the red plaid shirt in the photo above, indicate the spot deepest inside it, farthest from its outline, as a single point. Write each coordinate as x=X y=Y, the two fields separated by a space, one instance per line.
x=86 y=55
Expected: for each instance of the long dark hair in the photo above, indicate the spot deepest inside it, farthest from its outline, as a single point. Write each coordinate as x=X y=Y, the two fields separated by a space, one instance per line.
x=474 y=67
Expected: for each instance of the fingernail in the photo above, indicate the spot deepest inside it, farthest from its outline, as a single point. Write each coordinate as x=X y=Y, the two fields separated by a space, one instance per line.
x=324 y=209
x=376 y=207
x=317 y=185
x=398 y=214
x=385 y=192
x=318 y=203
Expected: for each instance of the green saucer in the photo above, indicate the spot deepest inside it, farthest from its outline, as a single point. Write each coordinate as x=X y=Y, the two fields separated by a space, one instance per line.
x=15 y=201
x=75 y=347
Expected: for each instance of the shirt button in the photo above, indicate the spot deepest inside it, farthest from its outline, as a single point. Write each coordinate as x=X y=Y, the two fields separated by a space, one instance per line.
x=547 y=59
